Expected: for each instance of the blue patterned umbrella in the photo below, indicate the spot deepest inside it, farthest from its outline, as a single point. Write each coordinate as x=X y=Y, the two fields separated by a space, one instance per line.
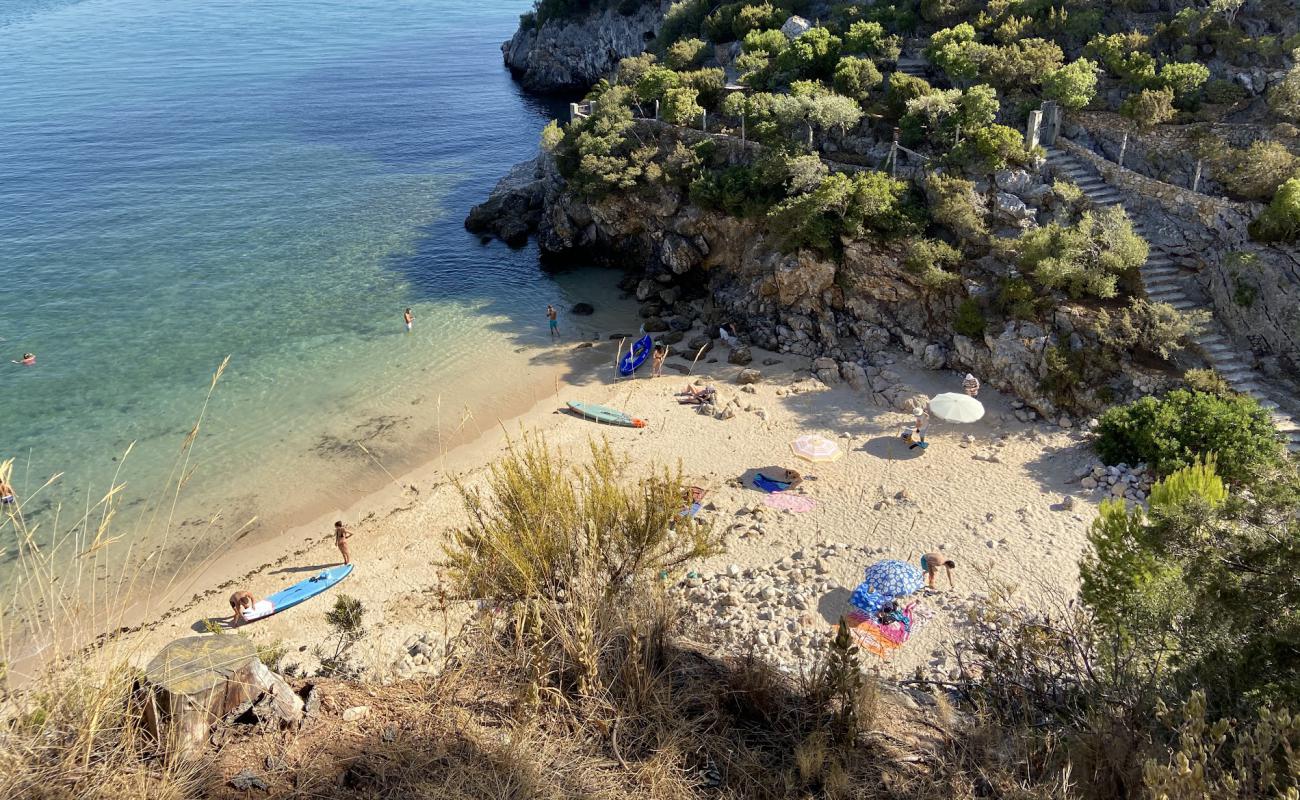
x=867 y=601
x=893 y=578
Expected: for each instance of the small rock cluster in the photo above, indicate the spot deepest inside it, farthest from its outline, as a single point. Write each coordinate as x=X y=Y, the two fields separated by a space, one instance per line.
x=1131 y=483
x=420 y=653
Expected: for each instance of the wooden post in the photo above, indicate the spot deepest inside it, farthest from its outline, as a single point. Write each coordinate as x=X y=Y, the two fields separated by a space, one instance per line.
x=656 y=109
x=1123 y=145
x=1196 y=179
x=1032 y=128
x=1054 y=123
x=742 y=128
x=704 y=121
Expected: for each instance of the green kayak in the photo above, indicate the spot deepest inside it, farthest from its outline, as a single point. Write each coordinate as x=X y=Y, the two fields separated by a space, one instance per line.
x=604 y=414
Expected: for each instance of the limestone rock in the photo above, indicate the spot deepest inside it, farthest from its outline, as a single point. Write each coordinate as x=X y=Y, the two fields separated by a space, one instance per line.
x=574 y=53
x=740 y=355
x=749 y=376
x=795 y=27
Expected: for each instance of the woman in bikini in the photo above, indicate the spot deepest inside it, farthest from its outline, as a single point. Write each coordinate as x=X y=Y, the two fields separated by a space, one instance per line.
x=341 y=536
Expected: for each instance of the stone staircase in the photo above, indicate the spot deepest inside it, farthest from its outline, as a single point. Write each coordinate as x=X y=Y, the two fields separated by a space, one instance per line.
x=916 y=67
x=1166 y=282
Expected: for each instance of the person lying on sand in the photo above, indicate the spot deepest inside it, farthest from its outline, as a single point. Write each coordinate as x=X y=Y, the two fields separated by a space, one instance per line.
x=692 y=396
x=341 y=536
x=930 y=563
x=241 y=601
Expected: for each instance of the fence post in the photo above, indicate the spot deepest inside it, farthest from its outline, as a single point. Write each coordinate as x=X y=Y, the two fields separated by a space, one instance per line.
x=742 y=128
x=893 y=156
x=704 y=121
x=573 y=111
x=1123 y=145
x=1196 y=179
x=1054 y=124
x=656 y=109
x=1031 y=129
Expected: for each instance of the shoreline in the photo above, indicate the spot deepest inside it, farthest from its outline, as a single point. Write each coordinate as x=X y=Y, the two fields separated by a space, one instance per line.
x=989 y=493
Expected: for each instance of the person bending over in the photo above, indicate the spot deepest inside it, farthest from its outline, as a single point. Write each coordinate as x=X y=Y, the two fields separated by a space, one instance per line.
x=930 y=564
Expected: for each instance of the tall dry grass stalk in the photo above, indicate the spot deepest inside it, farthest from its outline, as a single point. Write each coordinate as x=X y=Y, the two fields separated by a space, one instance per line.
x=68 y=725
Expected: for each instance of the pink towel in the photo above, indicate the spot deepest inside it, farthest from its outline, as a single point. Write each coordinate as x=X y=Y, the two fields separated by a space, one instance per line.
x=789 y=502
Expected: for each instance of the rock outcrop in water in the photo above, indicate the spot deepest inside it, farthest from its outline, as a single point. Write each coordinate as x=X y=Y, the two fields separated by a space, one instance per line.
x=574 y=53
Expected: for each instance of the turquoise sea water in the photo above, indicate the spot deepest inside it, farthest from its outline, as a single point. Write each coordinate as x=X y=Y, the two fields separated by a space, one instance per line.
x=190 y=179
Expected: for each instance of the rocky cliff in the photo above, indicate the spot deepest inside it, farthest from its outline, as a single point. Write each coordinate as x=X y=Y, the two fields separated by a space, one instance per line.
x=572 y=54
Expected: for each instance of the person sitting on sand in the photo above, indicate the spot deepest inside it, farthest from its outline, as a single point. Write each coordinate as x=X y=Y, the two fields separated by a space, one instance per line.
x=240 y=602
x=971 y=385
x=791 y=477
x=341 y=536
x=657 y=357
x=922 y=423
x=930 y=563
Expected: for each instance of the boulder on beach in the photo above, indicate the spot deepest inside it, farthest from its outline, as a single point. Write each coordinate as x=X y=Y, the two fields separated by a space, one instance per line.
x=582 y=309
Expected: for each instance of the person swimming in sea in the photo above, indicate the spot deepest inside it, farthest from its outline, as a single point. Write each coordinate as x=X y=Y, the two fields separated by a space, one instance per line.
x=29 y=359
x=408 y=319
x=240 y=602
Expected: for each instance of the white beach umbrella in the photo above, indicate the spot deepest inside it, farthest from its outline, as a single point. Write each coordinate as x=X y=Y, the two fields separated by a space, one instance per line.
x=816 y=448
x=953 y=407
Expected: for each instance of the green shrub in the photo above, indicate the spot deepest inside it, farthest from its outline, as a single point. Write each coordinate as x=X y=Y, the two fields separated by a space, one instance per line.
x=1280 y=220
x=1170 y=433
x=680 y=107
x=856 y=77
x=954 y=204
x=720 y=25
x=1084 y=259
x=1155 y=328
x=970 y=321
x=990 y=148
x=1224 y=92
x=552 y=136
x=687 y=54
x=541 y=525
x=767 y=42
x=1149 y=107
x=683 y=18
x=955 y=51
x=841 y=205
x=633 y=68
x=1018 y=67
x=1123 y=54
x=655 y=81
x=932 y=261
x=1284 y=96
x=811 y=56
x=1073 y=85
x=903 y=88
x=1016 y=299
x=1206 y=380
x=756 y=17
x=1184 y=80
x=1256 y=172
x=870 y=39
x=1125 y=584
x=709 y=84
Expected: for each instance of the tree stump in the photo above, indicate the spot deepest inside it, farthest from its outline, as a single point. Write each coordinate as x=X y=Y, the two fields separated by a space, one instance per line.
x=196 y=682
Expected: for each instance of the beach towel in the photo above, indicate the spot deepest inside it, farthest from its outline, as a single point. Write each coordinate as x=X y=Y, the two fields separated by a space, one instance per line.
x=768 y=485
x=882 y=640
x=691 y=511
x=796 y=503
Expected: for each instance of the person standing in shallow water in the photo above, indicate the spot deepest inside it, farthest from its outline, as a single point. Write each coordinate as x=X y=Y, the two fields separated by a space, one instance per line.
x=408 y=318
x=341 y=536
x=553 y=321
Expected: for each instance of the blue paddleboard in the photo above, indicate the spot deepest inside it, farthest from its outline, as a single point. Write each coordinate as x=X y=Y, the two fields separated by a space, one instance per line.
x=298 y=593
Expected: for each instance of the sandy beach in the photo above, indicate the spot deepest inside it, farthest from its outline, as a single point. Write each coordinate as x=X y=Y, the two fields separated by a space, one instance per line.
x=990 y=495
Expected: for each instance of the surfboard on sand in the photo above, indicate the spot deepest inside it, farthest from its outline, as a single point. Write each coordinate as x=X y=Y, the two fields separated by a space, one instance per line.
x=604 y=414
x=300 y=592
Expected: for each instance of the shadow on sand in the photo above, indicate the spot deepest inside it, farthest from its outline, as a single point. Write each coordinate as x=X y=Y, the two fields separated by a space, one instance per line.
x=891 y=448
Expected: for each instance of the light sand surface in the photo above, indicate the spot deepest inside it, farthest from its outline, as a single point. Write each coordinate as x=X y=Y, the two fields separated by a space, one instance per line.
x=987 y=495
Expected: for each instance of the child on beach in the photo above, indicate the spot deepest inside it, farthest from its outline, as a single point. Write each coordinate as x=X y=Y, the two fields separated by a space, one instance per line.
x=930 y=563
x=239 y=602
x=408 y=318
x=553 y=321
x=341 y=536
x=657 y=357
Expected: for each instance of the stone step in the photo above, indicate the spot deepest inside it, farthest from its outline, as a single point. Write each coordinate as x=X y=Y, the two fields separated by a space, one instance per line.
x=1239 y=375
x=1207 y=339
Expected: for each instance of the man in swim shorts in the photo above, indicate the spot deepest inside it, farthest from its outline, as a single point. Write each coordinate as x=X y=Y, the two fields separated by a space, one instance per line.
x=553 y=320
x=930 y=563
x=240 y=602
x=7 y=498
x=408 y=319
x=341 y=536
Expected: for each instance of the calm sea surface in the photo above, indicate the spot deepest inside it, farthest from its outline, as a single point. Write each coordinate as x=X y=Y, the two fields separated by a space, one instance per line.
x=275 y=182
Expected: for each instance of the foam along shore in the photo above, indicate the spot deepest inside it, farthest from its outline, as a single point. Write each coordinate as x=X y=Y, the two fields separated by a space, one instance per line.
x=990 y=495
